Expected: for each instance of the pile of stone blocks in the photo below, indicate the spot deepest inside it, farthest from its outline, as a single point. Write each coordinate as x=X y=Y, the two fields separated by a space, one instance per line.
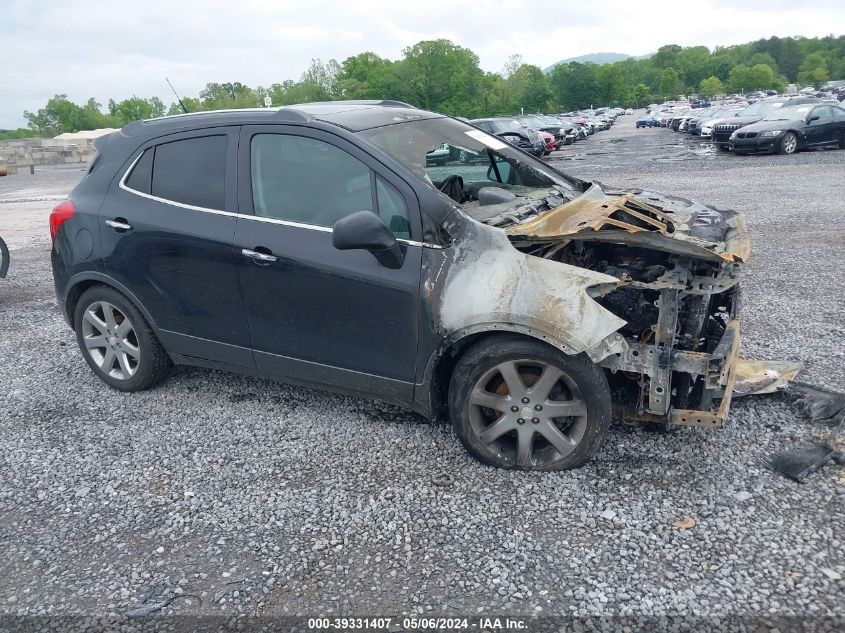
x=18 y=153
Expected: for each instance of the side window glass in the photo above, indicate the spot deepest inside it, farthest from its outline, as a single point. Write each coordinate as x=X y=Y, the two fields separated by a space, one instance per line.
x=306 y=180
x=392 y=209
x=191 y=171
x=142 y=173
x=823 y=112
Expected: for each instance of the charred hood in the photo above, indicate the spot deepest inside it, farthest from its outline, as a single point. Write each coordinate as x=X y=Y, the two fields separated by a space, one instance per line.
x=646 y=219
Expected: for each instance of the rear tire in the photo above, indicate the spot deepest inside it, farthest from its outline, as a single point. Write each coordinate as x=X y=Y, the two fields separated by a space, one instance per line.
x=117 y=342
x=517 y=403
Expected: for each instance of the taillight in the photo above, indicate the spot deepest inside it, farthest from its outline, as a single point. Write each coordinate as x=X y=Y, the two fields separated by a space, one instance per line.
x=61 y=214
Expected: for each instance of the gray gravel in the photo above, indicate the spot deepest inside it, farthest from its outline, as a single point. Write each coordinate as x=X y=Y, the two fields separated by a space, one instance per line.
x=246 y=496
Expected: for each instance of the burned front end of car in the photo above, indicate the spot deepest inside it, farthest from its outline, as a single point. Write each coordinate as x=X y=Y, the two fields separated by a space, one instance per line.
x=676 y=265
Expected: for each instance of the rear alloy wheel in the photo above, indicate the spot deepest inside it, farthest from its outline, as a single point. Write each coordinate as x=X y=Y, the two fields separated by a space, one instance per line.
x=117 y=342
x=788 y=143
x=521 y=404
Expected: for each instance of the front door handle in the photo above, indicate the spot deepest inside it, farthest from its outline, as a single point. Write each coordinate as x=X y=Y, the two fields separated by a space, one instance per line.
x=119 y=224
x=259 y=257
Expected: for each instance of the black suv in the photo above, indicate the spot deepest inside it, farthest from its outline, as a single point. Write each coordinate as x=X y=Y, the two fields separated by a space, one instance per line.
x=318 y=245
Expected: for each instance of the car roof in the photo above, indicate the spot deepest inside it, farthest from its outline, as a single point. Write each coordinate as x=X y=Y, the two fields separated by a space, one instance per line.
x=352 y=115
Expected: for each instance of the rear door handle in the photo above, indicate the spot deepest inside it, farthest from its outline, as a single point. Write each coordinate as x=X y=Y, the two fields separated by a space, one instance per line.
x=259 y=257
x=119 y=225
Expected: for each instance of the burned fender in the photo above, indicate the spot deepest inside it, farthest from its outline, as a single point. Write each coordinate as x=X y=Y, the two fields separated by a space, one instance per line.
x=482 y=283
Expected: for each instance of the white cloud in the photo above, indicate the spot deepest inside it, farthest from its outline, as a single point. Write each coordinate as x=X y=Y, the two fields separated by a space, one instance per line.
x=106 y=48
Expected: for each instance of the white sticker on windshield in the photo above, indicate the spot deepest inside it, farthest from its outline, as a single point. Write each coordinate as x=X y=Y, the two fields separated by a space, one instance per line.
x=490 y=141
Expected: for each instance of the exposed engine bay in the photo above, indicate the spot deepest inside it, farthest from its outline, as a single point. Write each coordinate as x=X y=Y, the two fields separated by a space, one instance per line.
x=676 y=263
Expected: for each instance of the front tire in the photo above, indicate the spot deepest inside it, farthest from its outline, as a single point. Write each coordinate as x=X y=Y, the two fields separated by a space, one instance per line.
x=117 y=342
x=788 y=143
x=517 y=403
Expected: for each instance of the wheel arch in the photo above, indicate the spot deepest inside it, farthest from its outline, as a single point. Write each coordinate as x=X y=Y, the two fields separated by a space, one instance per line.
x=78 y=284
x=442 y=362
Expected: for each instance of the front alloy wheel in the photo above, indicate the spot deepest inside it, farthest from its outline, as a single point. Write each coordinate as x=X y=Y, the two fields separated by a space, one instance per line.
x=518 y=403
x=788 y=143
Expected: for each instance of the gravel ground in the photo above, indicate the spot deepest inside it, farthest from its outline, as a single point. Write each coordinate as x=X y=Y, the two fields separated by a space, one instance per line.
x=231 y=495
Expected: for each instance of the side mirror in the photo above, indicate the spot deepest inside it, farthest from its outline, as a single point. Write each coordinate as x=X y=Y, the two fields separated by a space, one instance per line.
x=365 y=230
x=814 y=117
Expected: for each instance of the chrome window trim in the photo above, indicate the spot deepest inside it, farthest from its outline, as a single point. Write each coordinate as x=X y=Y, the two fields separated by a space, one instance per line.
x=181 y=205
x=244 y=216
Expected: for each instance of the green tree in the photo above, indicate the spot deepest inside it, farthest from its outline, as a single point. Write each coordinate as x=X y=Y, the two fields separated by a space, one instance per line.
x=574 y=85
x=216 y=96
x=741 y=78
x=670 y=84
x=642 y=94
x=711 y=87
x=365 y=76
x=813 y=70
x=21 y=132
x=610 y=85
x=135 y=108
x=530 y=88
x=441 y=76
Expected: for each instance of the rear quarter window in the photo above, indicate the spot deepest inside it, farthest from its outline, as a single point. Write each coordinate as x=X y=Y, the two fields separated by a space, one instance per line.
x=191 y=171
x=142 y=173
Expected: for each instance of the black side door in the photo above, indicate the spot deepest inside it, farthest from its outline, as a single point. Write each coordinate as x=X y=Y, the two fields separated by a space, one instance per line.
x=817 y=131
x=167 y=229
x=317 y=314
x=838 y=125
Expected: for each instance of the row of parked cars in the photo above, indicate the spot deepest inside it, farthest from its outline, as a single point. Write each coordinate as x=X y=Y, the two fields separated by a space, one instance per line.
x=782 y=124
x=538 y=134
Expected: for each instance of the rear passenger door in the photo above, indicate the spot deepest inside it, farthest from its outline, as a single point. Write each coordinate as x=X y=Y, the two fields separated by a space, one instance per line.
x=318 y=314
x=167 y=228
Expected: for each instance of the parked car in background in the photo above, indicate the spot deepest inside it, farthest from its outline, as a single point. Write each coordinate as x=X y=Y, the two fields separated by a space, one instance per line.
x=524 y=137
x=549 y=141
x=697 y=117
x=705 y=125
x=722 y=130
x=438 y=156
x=646 y=121
x=542 y=124
x=791 y=129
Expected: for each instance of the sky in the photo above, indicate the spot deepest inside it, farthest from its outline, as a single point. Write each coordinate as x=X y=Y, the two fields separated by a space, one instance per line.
x=114 y=49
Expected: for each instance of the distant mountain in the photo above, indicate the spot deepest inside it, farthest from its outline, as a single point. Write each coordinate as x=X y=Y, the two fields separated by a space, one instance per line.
x=597 y=58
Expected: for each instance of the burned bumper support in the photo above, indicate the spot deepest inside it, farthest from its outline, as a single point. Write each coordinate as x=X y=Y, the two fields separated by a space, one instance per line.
x=664 y=370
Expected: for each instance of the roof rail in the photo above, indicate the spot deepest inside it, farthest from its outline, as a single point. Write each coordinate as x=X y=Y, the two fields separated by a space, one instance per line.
x=396 y=104
x=390 y=103
x=291 y=114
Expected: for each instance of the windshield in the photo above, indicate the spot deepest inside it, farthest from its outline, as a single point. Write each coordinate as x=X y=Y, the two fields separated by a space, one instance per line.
x=789 y=114
x=760 y=108
x=500 y=125
x=476 y=158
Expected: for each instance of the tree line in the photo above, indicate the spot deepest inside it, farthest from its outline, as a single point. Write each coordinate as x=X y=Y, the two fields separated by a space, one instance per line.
x=442 y=76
